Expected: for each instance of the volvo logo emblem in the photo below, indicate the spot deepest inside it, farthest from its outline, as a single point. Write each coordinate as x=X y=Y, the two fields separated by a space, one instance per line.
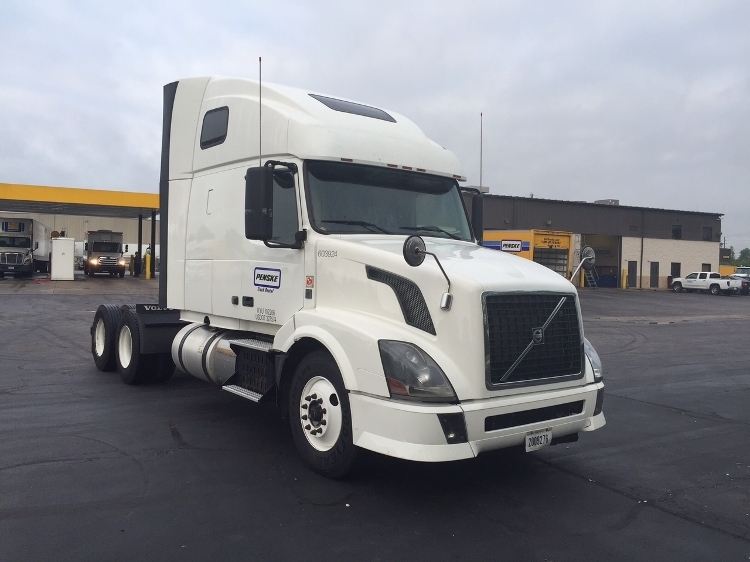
x=537 y=335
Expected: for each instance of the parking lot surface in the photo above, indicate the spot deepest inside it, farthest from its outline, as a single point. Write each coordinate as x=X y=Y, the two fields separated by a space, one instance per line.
x=92 y=469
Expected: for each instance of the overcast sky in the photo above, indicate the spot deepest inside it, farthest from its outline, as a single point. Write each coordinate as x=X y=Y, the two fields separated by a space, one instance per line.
x=645 y=102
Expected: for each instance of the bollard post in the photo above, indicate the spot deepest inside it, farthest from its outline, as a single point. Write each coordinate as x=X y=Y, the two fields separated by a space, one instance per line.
x=148 y=266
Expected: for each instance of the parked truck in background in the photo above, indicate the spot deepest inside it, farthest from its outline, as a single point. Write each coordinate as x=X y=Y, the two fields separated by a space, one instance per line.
x=103 y=253
x=338 y=274
x=24 y=247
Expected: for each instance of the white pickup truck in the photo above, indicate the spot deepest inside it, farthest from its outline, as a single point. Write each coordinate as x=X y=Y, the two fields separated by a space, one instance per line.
x=707 y=281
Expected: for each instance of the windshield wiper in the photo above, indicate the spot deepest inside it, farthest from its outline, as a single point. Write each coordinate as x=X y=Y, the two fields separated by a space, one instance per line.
x=362 y=223
x=430 y=228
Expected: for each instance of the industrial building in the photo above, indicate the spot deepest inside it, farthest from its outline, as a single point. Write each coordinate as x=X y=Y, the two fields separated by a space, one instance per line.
x=636 y=247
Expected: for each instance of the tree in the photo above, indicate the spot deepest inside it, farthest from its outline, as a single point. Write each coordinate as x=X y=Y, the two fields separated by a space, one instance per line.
x=744 y=257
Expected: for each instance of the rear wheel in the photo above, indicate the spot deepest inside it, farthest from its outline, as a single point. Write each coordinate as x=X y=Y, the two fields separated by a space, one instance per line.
x=320 y=416
x=103 y=330
x=714 y=289
x=133 y=367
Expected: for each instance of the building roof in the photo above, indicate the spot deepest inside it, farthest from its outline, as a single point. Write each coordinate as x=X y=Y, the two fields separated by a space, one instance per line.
x=601 y=205
x=76 y=201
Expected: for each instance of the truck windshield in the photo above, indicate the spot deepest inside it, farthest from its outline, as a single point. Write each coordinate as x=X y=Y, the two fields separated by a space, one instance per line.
x=351 y=198
x=111 y=247
x=15 y=242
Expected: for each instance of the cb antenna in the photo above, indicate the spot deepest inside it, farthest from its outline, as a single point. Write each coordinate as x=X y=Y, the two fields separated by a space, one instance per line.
x=260 y=115
x=481 y=123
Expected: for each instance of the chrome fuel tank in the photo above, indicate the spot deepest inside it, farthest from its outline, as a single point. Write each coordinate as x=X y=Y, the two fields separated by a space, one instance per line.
x=204 y=352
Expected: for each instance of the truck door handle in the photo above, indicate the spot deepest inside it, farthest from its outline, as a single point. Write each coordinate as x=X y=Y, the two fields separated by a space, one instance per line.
x=208 y=202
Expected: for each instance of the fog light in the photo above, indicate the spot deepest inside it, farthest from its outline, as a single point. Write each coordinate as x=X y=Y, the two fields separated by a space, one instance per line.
x=454 y=427
x=599 y=402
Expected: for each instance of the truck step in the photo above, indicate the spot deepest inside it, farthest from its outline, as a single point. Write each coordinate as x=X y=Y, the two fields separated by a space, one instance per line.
x=257 y=345
x=245 y=393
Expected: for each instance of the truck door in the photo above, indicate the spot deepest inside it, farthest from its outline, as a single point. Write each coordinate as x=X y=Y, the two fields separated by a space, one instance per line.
x=273 y=279
x=703 y=280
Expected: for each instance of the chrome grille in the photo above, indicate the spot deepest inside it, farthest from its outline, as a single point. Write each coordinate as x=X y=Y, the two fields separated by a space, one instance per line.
x=107 y=260
x=11 y=258
x=525 y=343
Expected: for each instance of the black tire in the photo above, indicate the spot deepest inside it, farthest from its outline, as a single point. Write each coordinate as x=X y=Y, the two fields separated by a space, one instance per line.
x=714 y=289
x=103 y=330
x=744 y=291
x=122 y=274
x=323 y=436
x=133 y=367
x=677 y=287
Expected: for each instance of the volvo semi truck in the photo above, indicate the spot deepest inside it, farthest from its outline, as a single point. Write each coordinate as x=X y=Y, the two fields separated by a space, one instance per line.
x=24 y=247
x=325 y=262
x=103 y=253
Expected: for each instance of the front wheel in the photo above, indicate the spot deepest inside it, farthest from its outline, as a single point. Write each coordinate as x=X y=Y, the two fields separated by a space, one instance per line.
x=677 y=287
x=320 y=416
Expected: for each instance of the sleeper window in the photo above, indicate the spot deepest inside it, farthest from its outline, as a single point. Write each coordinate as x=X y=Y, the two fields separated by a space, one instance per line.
x=214 y=130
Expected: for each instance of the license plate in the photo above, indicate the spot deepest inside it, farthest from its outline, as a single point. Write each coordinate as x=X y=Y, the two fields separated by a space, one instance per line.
x=11 y=267
x=538 y=439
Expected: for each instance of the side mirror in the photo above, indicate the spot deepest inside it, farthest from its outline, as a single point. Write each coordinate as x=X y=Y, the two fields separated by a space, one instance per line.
x=477 y=217
x=259 y=203
x=36 y=245
x=86 y=246
x=126 y=247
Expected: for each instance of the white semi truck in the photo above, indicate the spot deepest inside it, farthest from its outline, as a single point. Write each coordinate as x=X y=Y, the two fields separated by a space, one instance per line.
x=24 y=247
x=103 y=253
x=326 y=261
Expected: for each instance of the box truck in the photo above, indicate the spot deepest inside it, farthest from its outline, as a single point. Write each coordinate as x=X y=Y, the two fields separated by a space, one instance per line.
x=326 y=262
x=103 y=253
x=24 y=246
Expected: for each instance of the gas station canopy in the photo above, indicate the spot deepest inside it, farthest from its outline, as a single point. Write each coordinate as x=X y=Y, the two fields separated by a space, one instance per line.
x=75 y=201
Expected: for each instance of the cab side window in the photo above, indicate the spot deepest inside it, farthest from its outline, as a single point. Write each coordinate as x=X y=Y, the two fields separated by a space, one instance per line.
x=285 y=218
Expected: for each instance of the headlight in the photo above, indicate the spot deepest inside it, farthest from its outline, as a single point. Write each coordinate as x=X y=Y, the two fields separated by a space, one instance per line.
x=411 y=374
x=121 y=262
x=27 y=258
x=93 y=261
x=596 y=363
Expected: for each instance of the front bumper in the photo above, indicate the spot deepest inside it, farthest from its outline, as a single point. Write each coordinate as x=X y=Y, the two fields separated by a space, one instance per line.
x=98 y=268
x=24 y=269
x=413 y=430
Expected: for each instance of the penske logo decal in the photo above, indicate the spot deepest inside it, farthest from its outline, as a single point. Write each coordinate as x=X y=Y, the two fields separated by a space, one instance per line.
x=266 y=277
x=511 y=246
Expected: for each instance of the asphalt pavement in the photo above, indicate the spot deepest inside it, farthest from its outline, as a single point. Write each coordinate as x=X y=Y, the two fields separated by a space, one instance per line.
x=92 y=469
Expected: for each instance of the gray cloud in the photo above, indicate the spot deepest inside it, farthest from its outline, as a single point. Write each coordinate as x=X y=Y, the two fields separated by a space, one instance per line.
x=645 y=102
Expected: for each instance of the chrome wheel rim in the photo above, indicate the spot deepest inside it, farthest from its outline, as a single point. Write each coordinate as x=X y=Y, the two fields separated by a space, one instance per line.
x=320 y=413
x=99 y=337
x=125 y=346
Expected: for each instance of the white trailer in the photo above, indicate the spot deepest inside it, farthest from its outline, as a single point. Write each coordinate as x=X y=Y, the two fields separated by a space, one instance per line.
x=24 y=246
x=333 y=269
